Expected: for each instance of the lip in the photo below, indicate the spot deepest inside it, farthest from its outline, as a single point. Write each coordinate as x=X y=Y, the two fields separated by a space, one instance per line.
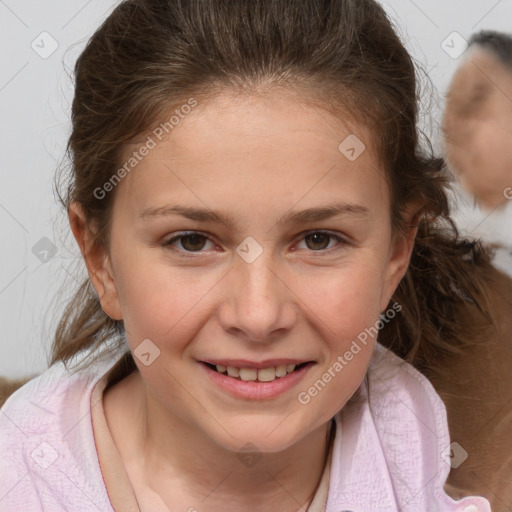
x=254 y=390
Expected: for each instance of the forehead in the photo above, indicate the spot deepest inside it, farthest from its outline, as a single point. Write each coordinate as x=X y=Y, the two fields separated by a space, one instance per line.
x=480 y=66
x=257 y=146
x=277 y=122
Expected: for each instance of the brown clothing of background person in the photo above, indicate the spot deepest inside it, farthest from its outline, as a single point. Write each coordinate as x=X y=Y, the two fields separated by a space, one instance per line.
x=478 y=119
x=9 y=386
x=477 y=392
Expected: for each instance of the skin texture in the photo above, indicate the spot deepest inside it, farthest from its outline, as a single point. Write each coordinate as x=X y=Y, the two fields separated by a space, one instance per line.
x=478 y=127
x=255 y=158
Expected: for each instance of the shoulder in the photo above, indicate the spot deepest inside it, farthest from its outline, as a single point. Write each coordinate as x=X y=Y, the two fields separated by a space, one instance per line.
x=412 y=425
x=395 y=386
x=47 y=442
x=394 y=451
x=48 y=401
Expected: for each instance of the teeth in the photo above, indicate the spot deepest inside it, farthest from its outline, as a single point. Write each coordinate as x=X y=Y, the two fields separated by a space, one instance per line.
x=281 y=370
x=233 y=372
x=266 y=374
x=253 y=374
x=248 y=373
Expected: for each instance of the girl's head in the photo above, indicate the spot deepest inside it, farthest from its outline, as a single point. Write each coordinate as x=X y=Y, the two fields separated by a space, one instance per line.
x=283 y=136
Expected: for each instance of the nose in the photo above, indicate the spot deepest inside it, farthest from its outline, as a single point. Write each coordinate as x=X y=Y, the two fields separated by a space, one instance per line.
x=258 y=305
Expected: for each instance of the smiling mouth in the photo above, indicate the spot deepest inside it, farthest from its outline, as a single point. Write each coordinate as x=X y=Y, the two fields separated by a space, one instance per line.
x=253 y=374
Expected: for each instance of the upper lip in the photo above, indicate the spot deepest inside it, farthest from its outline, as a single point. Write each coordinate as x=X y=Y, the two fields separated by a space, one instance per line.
x=244 y=363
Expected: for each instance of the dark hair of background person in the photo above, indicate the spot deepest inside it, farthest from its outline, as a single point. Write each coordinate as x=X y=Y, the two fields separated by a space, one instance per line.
x=149 y=57
x=498 y=43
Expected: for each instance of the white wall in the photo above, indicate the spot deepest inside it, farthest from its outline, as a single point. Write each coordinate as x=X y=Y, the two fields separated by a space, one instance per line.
x=37 y=256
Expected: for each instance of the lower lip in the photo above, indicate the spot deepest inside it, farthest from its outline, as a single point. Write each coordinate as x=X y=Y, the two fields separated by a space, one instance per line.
x=255 y=390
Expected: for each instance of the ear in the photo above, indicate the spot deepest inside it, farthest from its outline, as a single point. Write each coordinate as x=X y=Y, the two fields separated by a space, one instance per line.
x=400 y=254
x=97 y=261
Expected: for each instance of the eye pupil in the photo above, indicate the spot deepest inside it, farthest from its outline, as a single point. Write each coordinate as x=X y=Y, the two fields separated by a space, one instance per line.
x=197 y=242
x=317 y=239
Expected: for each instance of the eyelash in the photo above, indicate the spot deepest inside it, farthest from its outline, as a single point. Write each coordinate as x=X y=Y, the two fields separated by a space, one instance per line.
x=342 y=243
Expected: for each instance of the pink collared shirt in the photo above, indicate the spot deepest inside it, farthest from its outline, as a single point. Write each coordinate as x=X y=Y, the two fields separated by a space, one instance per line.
x=391 y=453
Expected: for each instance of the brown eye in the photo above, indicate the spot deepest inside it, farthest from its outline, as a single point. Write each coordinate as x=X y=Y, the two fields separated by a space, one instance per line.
x=193 y=242
x=322 y=242
x=189 y=242
x=317 y=241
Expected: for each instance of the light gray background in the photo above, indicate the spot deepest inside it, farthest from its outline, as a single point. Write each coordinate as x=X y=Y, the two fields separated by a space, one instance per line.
x=35 y=97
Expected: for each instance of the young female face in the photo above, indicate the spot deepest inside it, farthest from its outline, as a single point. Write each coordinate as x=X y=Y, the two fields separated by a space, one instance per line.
x=248 y=239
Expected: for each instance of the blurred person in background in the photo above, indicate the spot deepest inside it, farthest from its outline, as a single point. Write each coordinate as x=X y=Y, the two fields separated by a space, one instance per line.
x=478 y=142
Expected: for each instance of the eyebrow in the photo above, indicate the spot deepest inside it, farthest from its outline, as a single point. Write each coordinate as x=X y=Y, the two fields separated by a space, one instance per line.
x=292 y=217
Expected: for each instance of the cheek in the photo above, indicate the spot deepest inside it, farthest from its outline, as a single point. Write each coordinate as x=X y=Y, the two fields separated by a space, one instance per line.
x=345 y=301
x=351 y=307
x=158 y=301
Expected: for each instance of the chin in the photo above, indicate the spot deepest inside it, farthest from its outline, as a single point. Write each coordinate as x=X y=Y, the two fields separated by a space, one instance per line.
x=267 y=435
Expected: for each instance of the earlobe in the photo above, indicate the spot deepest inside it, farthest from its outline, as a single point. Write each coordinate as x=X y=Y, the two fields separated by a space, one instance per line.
x=97 y=261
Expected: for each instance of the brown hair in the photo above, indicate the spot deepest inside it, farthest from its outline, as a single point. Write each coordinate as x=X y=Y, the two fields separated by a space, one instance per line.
x=150 y=56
